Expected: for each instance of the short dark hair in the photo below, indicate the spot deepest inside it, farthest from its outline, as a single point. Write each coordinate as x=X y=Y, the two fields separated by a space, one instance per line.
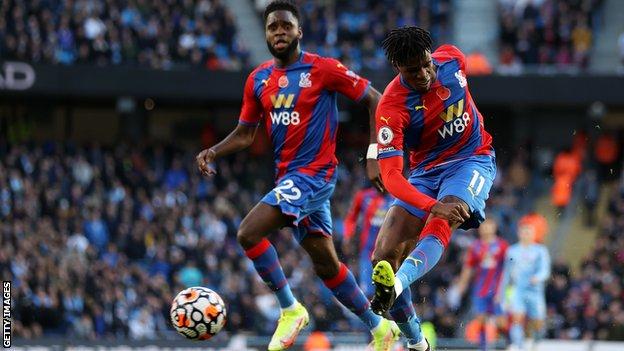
x=279 y=5
x=404 y=44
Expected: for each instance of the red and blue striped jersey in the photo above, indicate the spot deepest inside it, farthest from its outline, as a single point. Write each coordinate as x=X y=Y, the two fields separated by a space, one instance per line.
x=368 y=209
x=439 y=126
x=298 y=105
x=488 y=260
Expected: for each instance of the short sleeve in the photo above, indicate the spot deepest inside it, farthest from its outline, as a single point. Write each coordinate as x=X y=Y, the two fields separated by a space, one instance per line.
x=390 y=120
x=251 y=111
x=450 y=52
x=343 y=80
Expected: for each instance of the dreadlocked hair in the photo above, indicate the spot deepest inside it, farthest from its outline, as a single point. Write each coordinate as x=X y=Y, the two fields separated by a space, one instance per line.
x=279 y=5
x=404 y=44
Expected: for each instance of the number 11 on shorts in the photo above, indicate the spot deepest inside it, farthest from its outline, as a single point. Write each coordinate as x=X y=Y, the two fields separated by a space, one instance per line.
x=476 y=177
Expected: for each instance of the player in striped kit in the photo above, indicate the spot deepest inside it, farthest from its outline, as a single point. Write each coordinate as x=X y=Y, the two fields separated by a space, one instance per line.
x=484 y=267
x=294 y=96
x=427 y=107
x=366 y=213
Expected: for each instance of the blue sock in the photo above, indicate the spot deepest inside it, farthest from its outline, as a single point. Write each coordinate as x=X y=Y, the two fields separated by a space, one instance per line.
x=517 y=335
x=264 y=258
x=404 y=314
x=345 y=289
x=420 y=261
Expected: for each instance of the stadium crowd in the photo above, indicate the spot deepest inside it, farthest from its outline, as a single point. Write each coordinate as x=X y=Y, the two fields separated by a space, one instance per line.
x=162 y=34
x=169 y=34
x=547 y=32
x=98 y=240
x=590 y=305
x=353 y=30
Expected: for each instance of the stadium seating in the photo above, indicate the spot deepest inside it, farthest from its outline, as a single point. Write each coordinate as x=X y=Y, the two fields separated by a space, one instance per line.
x=547 y=32
x=158 y=34
x=353 y=30
x=589 y=305
x=135 y=224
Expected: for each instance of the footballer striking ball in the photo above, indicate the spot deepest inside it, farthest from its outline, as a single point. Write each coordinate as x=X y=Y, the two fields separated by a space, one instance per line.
x=198 y=313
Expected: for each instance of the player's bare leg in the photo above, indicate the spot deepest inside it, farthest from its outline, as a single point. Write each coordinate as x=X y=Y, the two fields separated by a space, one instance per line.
x=396 y=239
x=392 y=293
x=259 y=222
x=433 y=240
x=343 y=285
x=262 y=220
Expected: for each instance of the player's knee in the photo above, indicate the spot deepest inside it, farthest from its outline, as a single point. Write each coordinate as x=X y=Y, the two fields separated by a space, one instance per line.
x=245 y=237
x=326 y=269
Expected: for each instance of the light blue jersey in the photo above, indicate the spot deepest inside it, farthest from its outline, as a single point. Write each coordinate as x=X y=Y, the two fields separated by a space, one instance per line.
x=526 y=269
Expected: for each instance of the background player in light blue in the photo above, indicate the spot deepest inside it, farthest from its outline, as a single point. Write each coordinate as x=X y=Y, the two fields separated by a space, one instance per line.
x=527 y=267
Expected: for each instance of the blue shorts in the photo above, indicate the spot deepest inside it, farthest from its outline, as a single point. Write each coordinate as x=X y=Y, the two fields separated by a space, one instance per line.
x=486 y=305
x=529 y=303
x=469 y=179
x=306 y=200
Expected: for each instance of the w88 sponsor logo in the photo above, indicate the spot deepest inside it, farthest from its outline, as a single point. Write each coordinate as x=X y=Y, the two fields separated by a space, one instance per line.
x=285 y=118
x=456 y=126
x=288 y=117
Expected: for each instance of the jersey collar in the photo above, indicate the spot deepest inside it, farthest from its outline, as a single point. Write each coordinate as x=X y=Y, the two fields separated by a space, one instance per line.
x=292 y=65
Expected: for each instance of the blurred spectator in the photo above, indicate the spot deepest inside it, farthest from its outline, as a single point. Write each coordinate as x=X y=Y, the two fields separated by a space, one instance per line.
x=566 y=169
x=589 y=305
x=317 y=341
x=477 y=64
x=621 y=47
x=547 y=32
x=509 y=63
x=102 y=256
x=190 y=275
x=591 y=193
x=606 y=154
x=158 y=34
x=352 y=30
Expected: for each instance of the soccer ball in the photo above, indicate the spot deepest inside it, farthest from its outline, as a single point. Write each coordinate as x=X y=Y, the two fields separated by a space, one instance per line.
x=198 y=313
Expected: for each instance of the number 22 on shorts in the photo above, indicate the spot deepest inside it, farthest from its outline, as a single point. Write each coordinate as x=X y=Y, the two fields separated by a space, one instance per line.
x=287 y=191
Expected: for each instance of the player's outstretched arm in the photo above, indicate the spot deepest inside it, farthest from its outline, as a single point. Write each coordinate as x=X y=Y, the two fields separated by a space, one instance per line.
x=464 y=279
x=399 y=187
x=371 y=100
x=240 y=138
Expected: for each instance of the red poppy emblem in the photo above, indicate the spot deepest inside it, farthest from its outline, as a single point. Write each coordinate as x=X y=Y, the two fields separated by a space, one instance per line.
x=443 y=93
